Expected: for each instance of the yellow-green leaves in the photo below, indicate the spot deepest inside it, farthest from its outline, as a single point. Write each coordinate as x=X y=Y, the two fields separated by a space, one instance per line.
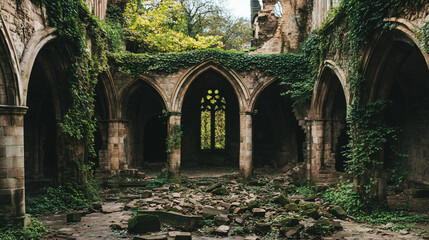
x=161 y=28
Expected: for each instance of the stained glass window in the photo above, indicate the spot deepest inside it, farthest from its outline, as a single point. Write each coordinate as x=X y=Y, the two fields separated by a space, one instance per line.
x=213 y=120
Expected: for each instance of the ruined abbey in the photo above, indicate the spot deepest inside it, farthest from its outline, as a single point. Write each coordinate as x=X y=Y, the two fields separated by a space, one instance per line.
x=262 y=127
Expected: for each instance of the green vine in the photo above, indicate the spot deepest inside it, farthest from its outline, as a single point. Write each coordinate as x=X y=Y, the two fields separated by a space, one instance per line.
x=174 y=138
x=291 y=69
x=368 y=133
x=75 y=25
x=424 y=36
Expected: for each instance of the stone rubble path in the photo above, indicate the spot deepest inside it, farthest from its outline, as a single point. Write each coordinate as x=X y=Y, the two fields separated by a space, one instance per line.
x=242 y=207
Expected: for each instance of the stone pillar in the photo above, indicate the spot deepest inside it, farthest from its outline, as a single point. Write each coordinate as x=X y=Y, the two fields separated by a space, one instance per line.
x=246 y=144
x=317 y=148
x=12 y=196
x=173 y=158
x=115 y=158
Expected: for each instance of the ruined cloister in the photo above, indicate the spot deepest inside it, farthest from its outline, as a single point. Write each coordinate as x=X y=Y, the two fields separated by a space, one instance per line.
x=261 y=126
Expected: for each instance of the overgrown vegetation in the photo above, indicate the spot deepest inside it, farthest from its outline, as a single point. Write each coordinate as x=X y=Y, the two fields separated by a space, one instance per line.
x=291 y=69
x=174 y=138
x=75 y=25
x=15 y=232
x=368 y=132
x=344 y=195
x=62 y=198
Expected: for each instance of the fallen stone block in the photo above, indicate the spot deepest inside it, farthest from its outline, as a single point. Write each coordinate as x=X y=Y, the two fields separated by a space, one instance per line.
x=337 y=211
x=177 y=219
x=259 y=212
x=144 y=223
x=74 y=217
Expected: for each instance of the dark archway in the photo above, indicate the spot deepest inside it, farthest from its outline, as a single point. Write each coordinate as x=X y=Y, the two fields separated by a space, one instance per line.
x=210 y=137
x=147 y=127
x=46 y=101
x=277 y=138
x=398 y=73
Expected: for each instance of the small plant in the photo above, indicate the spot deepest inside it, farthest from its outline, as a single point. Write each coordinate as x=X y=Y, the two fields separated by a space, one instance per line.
x=343 y=194
x=15 y=232
x=306 y=190
x=160 y=181
x=61 y=198
x=174 y=138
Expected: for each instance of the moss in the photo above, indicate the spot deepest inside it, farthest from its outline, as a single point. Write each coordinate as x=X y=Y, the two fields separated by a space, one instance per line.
x=253 y=204
x=144 y=223
x=282 y=200
x=220 y=191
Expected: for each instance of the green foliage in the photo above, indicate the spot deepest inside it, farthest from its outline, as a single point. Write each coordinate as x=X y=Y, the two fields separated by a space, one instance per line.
x=162 y=28
x=292 y=69
x=369 y=133
x=15 y=232
x=424 y=36
x=343 y=194
x=174 y=138
x=307 y=190
x=61 y=198
x=75 y=25
x=160 y=181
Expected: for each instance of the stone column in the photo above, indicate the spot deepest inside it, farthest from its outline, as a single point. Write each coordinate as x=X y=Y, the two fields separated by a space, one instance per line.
x=173 y=158
x=246 y=144
x=317 y=148
x=12 y=196
x=116 y=145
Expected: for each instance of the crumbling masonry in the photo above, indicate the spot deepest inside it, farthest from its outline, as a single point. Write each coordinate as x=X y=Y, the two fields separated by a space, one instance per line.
x=34 y=98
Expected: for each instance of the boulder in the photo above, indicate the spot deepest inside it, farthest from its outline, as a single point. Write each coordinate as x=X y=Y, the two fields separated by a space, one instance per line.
x=221 y=220
x=220 y=191
x=337 y=211
x=282 y=200
x=222 y=230
x=259 y=212
x=313 y=213
x=289 y=222
x=262 y=228
x=144 y=223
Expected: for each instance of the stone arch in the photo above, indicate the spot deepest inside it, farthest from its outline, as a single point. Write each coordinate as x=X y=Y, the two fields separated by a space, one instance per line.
x=127 y=91
x=404 y=31
x=396 y=68
x=210 y=120
x=142 y=106
x=47 y=97
x=9 y=77
x=183 y=85
x=107 y=88
x=277 y=138
x=31 y=51
x=258 y=90
x=330 y=79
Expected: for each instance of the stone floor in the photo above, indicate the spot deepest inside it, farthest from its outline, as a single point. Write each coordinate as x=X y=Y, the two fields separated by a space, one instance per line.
x=227 y=216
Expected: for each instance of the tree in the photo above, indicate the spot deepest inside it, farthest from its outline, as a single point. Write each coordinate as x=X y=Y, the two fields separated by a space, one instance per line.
x=182 y=25
x=157 y=26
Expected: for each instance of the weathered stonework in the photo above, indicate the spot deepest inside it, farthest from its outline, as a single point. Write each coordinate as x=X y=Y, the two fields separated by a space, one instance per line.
x=129 y=109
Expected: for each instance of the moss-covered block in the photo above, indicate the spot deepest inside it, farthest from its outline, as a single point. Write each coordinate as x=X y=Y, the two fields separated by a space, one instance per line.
x=282 y=200
x=144 y=223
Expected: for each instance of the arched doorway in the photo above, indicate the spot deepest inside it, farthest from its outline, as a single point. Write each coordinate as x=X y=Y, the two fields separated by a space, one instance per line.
x=277 y=138
x=147 y=127
x=210 y=122
x=398 y=73
x=46 y=100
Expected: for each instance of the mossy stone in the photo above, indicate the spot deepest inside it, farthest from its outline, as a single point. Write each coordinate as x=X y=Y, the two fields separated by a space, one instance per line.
x=282 y=200
x=289 y=222
x=144 y=223
x=220 y=191
x=313 y=213
x=253 y=204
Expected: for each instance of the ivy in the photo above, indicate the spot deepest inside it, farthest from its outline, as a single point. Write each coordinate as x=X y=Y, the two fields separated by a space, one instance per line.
x=424 y=36
x=292 y=69
x=360 y=19
x=75 y=25
x=174 y=138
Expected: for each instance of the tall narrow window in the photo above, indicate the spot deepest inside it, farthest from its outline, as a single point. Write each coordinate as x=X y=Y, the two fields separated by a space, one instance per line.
x=213 y=120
